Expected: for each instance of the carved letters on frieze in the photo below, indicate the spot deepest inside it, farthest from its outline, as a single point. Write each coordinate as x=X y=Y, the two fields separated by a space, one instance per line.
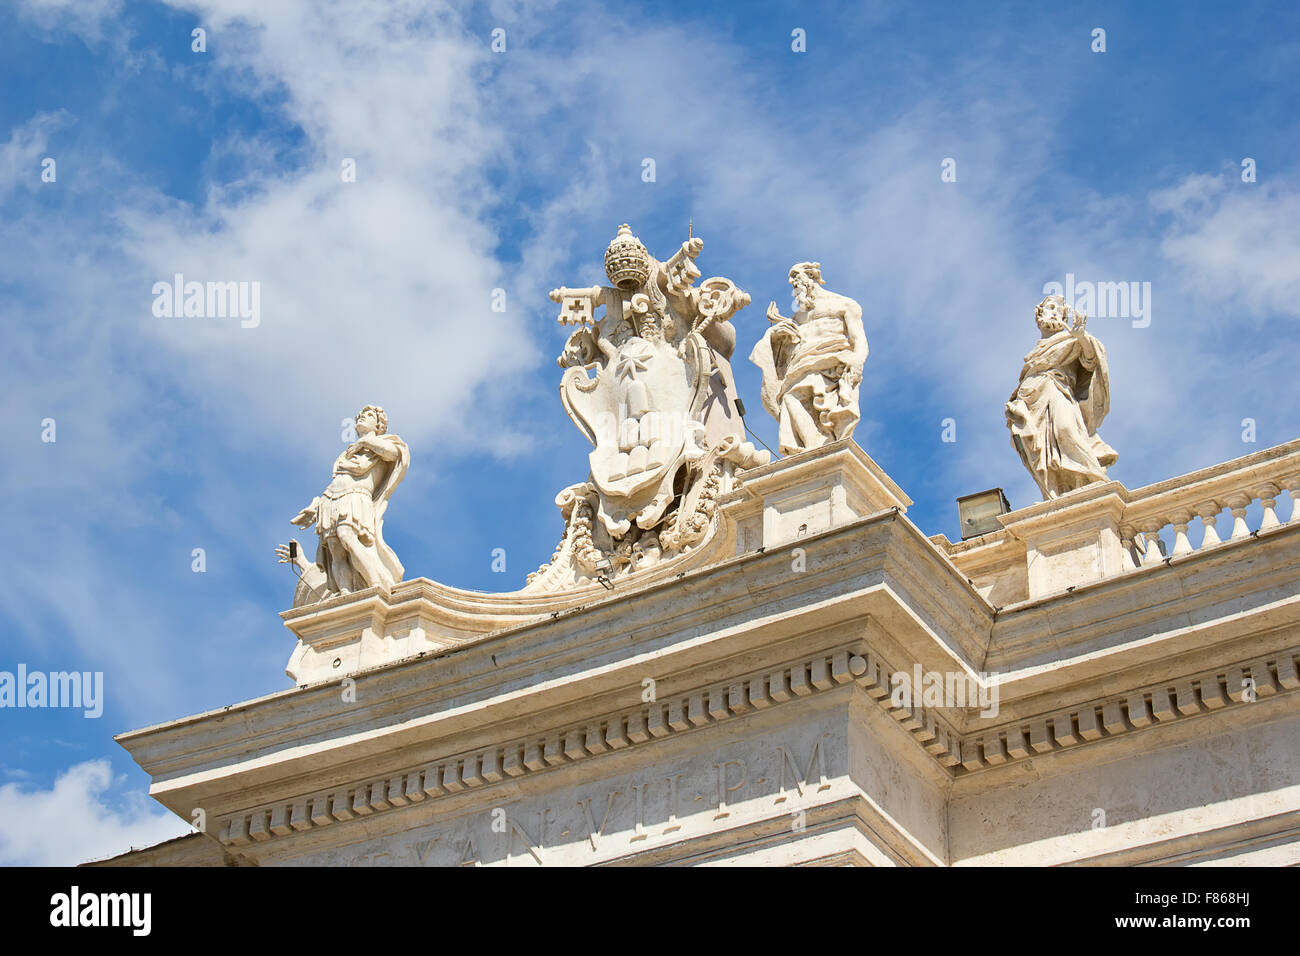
x=614 y=817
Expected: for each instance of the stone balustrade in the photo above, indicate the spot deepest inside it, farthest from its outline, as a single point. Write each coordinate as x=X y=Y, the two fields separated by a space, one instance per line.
x=1217 y=499
x=1104 y=529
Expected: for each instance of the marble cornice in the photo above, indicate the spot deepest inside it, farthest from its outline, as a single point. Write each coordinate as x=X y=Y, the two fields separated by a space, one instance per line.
x=876 y=598
x=1196 y=599
x=751 y=604
x=744 y=587
x=1262 y=685
x=546 y=748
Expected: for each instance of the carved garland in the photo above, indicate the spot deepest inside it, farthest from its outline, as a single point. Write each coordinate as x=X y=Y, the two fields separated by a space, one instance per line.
x=689 y=525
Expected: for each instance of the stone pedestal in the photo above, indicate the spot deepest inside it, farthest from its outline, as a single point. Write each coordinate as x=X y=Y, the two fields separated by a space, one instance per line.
x=809 y=493
x=1072 y=540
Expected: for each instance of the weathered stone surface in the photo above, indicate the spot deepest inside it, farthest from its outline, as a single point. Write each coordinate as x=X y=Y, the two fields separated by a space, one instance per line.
x=746 y=711
x=812 y=364
x=348 y=517
x=648 y=381
x=1062 y=398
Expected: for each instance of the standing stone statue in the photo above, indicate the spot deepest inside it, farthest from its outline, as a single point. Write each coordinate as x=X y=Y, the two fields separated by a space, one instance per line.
x=1063 y=396
x=349 y=516
x=812 y=363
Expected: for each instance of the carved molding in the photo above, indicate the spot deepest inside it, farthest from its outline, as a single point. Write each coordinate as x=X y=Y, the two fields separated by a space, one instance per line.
x=1117 y=715
x=676 y=714
x=959 y=755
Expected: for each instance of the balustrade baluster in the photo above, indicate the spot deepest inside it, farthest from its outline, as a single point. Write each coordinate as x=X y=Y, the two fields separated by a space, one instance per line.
x=1267 y=495
x=1180 y=520
x=1152 y=535
x=1209 y=515
x=1238 y=503
x=1126 y=535
x=1292 y=485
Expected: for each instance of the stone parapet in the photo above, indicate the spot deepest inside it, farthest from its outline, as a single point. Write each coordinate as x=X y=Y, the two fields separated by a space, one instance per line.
x=1104 y=529
x=784 y=694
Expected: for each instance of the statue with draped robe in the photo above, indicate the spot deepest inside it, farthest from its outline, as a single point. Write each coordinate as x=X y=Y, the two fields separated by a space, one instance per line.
x=1062 y=398
x=349 y=516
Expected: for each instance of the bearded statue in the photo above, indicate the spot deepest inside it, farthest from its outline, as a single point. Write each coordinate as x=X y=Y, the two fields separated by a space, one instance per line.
x=1062 y=398
x=812 y=363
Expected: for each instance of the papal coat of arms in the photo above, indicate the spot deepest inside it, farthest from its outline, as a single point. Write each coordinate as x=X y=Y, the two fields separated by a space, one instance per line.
x=648 y=381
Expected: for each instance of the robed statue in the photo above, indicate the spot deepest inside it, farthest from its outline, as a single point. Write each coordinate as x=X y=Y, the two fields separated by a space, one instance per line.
x=349 y=516
x=1062 y=398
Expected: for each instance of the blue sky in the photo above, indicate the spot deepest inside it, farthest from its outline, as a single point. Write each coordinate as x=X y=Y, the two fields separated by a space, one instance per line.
x=479 y=170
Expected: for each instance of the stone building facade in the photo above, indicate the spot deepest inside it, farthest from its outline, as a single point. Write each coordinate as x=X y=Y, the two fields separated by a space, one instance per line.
x=815 y=682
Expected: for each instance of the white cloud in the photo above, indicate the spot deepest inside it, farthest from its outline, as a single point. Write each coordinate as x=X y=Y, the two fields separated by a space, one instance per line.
x=21 y=156
x=74 y=821
x=1235 y=243
x=377 y=290
x=1189 y=194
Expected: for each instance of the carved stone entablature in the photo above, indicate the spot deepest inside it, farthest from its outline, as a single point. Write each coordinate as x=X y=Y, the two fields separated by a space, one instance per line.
x=1145 y=707
x=677 y=714
x=1104 y=530
x=740 y=703
x=930 y=727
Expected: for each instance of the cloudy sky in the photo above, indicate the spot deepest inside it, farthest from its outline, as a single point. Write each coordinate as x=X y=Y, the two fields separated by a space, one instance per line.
x=479 y=169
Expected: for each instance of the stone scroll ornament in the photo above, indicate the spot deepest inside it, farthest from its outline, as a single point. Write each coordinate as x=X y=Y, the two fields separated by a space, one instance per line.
x=349 y=517
x=648 y=381
x=1062 y=398
x=812 y=363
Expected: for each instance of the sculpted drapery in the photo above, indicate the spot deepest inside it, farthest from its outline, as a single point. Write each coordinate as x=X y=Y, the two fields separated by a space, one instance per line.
x=349 y=516
x=1062 y=398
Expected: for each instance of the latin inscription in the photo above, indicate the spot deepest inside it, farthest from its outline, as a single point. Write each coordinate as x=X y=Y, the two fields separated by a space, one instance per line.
x=621 y=815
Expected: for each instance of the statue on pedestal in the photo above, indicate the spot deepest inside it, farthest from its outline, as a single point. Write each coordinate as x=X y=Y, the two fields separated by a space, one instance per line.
x=812 y=363
x=349 y=516
x=661 y=410
x=1062 y=398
